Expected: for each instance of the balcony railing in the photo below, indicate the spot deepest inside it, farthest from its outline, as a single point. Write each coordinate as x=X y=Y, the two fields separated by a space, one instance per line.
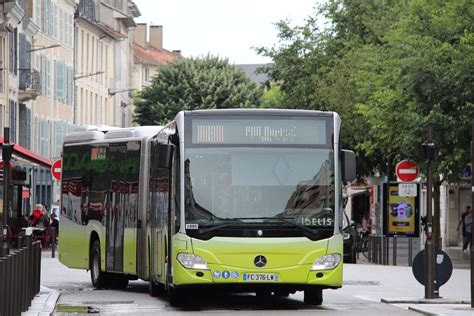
x=30 y=79
x=87 y=10
x=21 y=3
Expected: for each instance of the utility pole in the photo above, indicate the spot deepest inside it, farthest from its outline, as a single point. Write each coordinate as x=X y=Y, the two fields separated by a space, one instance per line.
x=7 y=150
x=429 y=150
x=472 y=205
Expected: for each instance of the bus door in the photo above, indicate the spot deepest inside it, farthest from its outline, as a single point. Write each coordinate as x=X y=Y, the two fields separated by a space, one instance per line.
x=115 y=215
x=129 y=198
x=159 y=211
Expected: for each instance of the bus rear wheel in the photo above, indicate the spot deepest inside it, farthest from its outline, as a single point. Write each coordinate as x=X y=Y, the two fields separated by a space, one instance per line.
x=117 y=281
x=98 y=278
x=313 y=296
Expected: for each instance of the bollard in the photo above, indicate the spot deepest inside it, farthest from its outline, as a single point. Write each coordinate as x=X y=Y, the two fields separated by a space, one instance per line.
x=53 y=242
x=410 y=251
x=376 y=250
x=3 y=287
x=382 y=250
x=18 y=272
x=31 y=271
x=38 y=268
x=9 y=282
x=24 y=292
x=369 y=251
x=394 y=246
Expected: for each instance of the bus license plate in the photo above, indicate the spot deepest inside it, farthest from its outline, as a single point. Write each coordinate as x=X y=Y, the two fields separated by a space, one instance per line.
x=259 y=277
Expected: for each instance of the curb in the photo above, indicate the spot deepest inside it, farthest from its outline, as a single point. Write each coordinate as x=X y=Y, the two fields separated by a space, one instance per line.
x=43 y=303
x=421 y=311
x=411 y=300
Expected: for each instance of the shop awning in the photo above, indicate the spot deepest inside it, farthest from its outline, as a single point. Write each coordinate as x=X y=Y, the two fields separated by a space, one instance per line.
x=28 y=155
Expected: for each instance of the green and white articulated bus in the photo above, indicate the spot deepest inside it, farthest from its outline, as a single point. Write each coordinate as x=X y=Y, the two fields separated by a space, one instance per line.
x=235 y=200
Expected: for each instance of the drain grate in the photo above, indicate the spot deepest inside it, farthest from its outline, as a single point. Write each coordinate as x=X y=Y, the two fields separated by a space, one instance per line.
x=63 y=308
x=107 y=302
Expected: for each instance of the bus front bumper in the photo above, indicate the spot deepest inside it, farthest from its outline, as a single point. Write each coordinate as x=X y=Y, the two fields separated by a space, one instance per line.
x=243 y=279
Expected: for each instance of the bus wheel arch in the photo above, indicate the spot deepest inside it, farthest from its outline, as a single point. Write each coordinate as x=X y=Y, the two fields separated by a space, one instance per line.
x=98 y=277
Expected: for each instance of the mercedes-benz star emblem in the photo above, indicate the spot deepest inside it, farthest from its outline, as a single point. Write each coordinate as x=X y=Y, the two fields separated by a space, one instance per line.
x=260 y=261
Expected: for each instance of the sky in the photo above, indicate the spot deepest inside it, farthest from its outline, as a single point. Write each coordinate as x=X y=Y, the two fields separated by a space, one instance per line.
x=227 y=28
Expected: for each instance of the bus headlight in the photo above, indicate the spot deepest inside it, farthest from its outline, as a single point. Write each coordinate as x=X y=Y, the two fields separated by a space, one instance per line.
x=190 y=261
x=327 y=262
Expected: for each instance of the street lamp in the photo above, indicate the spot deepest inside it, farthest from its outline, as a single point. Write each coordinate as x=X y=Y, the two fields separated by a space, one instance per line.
x=429 y=153
x=112 y=93
x=42 y=48
x=388 y=164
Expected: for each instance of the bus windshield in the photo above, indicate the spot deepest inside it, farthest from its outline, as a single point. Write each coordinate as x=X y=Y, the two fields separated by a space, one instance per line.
x=232 y=186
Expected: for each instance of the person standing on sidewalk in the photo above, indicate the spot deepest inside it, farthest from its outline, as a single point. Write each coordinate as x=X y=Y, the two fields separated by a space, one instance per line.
x=466 y=222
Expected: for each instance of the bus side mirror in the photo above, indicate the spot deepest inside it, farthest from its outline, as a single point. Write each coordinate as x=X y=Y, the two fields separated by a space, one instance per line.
x=348 y=165
x=165 y=155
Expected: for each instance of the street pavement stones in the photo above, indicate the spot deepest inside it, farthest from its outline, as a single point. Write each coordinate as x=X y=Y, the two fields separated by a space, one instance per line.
x=394 y=285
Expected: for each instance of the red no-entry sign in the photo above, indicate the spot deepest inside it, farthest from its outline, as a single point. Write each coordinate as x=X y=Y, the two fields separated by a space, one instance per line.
x=407 y=170
x=56 y=169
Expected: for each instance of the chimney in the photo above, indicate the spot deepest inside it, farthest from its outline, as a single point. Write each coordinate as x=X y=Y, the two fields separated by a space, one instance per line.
x=139 y=36
x=156 y=36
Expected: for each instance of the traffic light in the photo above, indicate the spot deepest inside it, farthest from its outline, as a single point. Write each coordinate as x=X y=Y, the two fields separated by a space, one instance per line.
x=7 y=151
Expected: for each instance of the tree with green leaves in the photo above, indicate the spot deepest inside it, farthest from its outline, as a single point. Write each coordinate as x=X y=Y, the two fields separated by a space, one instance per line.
x=193 y=84
x=315 y=66
x=424 y=74
x=389 y=68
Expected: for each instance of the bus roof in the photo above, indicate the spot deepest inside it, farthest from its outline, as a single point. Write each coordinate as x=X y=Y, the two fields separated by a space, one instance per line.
x=90 y=133
x=265 y=112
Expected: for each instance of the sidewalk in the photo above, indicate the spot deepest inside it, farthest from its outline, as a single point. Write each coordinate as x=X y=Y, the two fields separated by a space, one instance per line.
x=459 y=259
x=452 y=302
x=44 y=303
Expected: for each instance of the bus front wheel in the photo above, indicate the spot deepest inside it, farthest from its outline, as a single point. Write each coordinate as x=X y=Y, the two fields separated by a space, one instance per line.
x=98 y=277
x=177 y=297
x=313 y=296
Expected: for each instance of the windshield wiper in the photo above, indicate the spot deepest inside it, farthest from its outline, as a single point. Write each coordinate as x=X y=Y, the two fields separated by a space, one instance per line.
x=285 y=220
x=213 y=228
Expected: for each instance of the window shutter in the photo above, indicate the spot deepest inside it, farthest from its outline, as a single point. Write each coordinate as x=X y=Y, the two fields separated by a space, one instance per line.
x=60 y=79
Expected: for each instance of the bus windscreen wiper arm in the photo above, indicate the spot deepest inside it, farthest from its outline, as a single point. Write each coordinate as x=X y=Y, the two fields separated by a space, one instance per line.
x=286 y=220
x=213 y=228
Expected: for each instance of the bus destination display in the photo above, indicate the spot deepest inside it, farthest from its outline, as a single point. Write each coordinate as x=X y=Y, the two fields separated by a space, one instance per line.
x=293 y=132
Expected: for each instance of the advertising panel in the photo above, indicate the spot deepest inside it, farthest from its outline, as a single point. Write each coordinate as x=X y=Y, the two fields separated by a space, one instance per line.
x=401 y=212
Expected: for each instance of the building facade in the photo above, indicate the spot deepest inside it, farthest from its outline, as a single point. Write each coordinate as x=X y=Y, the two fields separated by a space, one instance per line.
x=149 y=54
x=63 y=63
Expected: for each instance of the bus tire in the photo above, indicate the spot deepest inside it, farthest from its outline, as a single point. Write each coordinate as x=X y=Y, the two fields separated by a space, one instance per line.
x=156 y=289
x=177 y=297
x=99 y=279
x=153 y=288
x=313 y=296
x=118 y=281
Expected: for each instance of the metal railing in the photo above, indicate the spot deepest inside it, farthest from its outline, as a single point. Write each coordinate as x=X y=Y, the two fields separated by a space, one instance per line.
x=20 y=273
x=30 y=79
